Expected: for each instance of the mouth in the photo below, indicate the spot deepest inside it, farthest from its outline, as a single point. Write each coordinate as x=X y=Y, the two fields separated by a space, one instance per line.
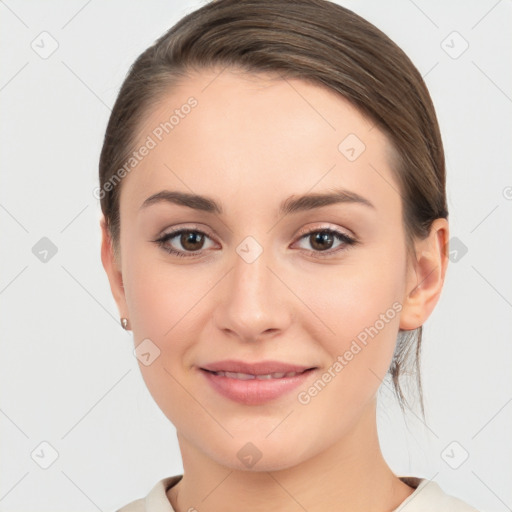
x=256 y=383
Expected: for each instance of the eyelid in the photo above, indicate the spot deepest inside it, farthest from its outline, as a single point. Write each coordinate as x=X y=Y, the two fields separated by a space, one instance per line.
x=192 y=227
x=326 y=227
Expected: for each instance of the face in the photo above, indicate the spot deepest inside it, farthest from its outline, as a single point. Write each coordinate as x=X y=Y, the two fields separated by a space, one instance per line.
x=318 y=285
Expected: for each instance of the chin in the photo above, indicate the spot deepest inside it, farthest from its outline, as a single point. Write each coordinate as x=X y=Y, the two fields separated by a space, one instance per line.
x=258 y=455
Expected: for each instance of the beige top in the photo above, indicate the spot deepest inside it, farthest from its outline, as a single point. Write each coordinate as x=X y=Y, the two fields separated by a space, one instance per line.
x=428 y=497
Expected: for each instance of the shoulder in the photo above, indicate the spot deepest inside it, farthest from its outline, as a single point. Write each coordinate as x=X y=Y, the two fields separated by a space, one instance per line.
x=156 y=500
x=429 y=496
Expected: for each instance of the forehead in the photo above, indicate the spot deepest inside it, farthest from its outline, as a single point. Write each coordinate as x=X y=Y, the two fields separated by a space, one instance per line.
x=221 y=132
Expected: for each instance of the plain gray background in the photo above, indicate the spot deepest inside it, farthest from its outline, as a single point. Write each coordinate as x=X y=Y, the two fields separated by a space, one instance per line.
x=69 y=378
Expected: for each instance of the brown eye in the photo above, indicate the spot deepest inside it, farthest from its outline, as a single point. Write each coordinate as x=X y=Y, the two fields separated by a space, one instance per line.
x=192 y=240
x=185 y=242
x=321 y=240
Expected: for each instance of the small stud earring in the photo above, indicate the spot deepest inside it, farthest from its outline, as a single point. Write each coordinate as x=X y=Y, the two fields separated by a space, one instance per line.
x=124 y=323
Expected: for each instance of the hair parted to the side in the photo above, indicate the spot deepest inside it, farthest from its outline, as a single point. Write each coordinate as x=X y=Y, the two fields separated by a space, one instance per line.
x=322 y=43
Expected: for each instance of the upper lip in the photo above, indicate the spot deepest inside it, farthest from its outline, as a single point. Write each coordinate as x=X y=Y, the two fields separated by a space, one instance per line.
x=256 y=368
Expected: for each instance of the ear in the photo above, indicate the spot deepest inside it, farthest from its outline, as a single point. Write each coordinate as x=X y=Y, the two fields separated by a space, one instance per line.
x=425 y=277
x=113 y=270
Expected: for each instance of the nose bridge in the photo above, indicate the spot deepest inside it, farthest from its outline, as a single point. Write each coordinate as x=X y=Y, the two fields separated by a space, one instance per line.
x=252 y=303
x=251 y=278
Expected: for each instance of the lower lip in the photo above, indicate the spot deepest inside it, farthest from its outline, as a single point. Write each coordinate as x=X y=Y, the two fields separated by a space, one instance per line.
x=255 y=391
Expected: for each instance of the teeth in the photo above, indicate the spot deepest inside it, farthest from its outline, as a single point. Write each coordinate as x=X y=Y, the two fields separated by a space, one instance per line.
x=264 y=377
x=241 y=376
x=249 y=376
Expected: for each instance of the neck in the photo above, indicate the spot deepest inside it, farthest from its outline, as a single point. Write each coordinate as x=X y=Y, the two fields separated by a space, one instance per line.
x=350 y=475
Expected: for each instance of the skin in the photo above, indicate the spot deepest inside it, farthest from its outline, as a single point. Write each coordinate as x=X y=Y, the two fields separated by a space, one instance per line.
x=250 y=143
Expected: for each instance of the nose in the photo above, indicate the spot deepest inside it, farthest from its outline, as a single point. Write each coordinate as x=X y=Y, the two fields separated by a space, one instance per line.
x=254 y=304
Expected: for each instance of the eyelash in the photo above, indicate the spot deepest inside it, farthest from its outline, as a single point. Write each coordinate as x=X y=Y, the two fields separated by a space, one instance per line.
x=342 y=237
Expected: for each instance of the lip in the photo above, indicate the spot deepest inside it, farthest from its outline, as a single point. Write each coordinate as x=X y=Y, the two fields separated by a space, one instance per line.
x=255 y=391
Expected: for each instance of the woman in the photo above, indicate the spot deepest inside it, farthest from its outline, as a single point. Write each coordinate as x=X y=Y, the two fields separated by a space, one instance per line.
x=275 y=235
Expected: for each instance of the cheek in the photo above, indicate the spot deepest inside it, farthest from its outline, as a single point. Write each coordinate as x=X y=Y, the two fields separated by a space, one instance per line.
x=364 y=315
x=162 y=298
x=167 y=306
x=357 y=311
x=160 y=314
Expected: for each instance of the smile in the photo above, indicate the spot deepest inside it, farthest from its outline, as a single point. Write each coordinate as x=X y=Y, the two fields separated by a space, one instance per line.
x=256 y=389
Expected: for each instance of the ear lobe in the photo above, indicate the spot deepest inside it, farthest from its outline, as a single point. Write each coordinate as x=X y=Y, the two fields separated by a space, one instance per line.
x=112 y=269
x=426 y=276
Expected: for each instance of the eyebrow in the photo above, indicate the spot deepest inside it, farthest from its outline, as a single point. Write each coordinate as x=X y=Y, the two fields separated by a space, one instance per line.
x=291 y=205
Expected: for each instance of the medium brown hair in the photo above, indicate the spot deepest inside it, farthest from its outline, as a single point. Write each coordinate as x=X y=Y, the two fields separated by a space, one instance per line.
x=322 y=43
